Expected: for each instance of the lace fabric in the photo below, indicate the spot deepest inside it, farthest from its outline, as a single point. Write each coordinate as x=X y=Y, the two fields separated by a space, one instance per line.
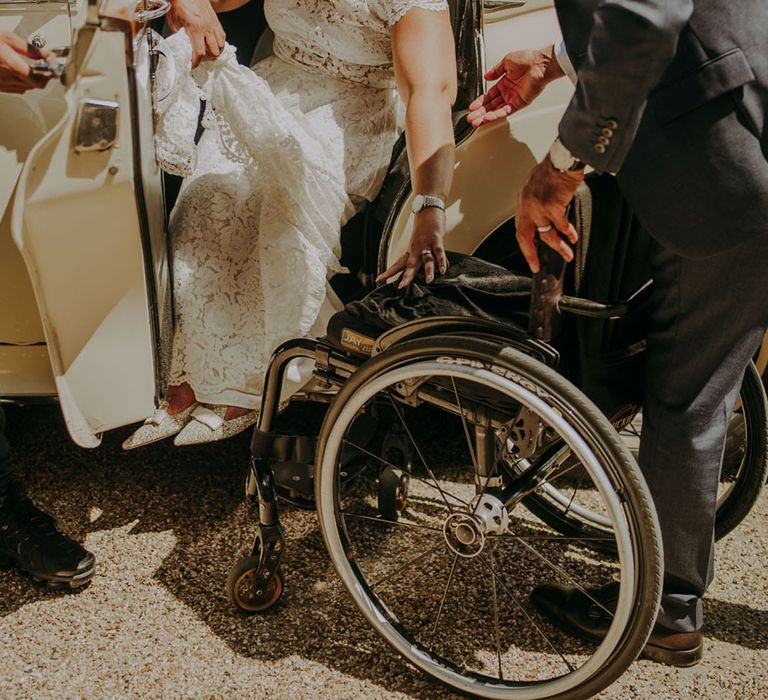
x=290 y=148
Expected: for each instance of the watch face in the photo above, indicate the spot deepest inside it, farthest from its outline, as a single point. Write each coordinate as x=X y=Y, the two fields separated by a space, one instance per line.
x=560 y=156
x=418 y=203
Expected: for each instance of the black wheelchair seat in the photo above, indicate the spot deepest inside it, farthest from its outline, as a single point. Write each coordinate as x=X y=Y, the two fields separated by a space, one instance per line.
x=474 y=297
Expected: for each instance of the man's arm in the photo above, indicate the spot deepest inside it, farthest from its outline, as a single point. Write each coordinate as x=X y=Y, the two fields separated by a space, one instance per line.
x=631 y=44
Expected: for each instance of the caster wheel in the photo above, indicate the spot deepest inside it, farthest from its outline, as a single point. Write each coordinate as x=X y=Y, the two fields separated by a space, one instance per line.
x=247 y=588
x=393 y=492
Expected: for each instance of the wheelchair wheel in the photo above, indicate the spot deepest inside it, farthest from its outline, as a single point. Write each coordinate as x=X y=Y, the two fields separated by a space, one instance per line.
x=248 y=590
x=447 y=583
x=564 y=503
x=745 y=461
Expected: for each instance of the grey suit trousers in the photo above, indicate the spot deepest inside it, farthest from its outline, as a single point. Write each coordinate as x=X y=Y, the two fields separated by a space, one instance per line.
x=708 y=320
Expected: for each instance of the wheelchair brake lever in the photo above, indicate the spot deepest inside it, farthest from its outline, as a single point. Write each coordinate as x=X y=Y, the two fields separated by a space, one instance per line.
x=546 y=292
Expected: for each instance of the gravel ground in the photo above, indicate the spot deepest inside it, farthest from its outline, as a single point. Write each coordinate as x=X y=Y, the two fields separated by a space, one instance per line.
x=167 y=523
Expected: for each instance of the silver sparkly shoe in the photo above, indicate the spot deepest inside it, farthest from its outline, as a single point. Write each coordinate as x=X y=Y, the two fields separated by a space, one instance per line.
x=208 y=425
x=159 y=426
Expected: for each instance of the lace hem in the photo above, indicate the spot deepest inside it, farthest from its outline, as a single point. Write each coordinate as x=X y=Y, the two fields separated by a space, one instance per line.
x=400 y=8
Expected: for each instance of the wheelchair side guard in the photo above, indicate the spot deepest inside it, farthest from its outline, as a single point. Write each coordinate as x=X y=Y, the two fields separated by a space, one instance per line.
x=468 y=326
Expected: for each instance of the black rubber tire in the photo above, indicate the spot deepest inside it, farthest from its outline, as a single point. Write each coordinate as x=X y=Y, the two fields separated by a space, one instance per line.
x=593 y=427
x=753 y=471
x=272 y=592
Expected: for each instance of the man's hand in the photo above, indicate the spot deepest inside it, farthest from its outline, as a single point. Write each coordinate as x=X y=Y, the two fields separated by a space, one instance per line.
x=203 y=28
x=542 y=202
x=426 y=249
x=16 y=73
x=521 y=75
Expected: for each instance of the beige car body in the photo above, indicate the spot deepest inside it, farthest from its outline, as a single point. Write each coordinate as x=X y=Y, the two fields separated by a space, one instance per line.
x=84 y=277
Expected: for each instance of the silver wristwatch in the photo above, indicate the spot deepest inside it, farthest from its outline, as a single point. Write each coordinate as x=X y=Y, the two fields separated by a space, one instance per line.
x=422 y=201
x=562 y=159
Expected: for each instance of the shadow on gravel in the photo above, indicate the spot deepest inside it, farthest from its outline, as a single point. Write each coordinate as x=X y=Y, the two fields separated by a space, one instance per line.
x=736 y=624
x=198 y=494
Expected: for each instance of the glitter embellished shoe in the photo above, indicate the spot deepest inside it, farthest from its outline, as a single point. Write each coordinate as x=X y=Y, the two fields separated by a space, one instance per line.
x=208 y=425
x=159 y=426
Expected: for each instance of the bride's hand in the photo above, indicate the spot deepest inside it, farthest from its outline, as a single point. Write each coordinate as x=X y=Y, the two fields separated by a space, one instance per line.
x=203 y=28
x=426 y=249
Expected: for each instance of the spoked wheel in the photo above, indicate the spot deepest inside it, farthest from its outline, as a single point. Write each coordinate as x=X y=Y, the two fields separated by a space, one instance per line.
x=447 y=583
x=569 y=504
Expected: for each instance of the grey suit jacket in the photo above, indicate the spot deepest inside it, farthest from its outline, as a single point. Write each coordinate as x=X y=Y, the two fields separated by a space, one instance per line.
x=672 y=95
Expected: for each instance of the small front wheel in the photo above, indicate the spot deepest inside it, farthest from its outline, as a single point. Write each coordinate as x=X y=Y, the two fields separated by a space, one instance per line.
x=392 y=492
x=249 y=589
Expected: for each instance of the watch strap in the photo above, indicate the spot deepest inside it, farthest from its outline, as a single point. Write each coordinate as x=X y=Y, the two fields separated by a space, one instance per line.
x=422 y=201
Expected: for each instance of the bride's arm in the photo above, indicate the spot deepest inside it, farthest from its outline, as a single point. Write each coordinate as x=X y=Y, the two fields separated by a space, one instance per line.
x=425 y=68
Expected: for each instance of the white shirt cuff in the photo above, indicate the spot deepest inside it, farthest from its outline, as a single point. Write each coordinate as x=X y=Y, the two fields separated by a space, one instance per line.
x=565 y=62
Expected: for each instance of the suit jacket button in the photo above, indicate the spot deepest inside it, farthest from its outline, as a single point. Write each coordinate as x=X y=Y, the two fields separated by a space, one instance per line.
x=604 y=140
x=612 y=124
x=600 y=148
x=608 y=133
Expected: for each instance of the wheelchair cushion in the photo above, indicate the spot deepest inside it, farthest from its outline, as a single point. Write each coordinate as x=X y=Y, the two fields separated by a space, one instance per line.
x=470 y=287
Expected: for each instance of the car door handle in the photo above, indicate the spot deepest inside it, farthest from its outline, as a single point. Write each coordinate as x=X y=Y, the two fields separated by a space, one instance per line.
x=490 y=6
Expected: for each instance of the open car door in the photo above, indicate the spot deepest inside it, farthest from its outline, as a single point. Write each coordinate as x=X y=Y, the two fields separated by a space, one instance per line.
x=89 y=221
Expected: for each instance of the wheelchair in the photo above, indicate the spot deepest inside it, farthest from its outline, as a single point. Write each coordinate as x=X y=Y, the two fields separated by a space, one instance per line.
x=435 y=542
x=460 y=463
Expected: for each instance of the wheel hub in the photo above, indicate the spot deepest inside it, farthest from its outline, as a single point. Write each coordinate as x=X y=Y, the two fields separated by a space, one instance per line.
x=464 y=534
x=465 y=531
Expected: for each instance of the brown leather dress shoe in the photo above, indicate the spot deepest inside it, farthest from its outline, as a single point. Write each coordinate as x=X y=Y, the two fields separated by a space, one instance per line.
x=577 y=613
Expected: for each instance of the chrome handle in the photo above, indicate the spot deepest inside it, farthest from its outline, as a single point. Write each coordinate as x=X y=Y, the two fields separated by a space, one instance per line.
x=151 y=9
x=490 y=6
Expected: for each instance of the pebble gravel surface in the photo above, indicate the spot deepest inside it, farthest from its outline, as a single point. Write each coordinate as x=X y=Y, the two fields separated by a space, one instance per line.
x=167 y=523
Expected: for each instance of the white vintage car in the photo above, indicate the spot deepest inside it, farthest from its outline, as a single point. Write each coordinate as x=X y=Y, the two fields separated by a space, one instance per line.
x=84 y=270
x=87 y=312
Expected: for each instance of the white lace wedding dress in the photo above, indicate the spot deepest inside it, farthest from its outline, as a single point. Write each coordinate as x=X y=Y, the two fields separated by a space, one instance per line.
x=290 y=151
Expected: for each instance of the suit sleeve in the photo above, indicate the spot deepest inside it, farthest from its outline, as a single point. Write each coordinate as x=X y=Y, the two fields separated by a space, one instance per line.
x=631 y=44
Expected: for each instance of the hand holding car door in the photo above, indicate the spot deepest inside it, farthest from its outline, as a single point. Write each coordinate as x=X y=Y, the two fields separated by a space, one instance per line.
x=16 y=74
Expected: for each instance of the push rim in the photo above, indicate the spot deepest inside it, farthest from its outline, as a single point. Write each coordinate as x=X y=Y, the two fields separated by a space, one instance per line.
x=376 y=610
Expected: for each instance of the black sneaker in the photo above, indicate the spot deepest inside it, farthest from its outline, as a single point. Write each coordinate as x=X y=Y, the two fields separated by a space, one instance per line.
x=30 y=541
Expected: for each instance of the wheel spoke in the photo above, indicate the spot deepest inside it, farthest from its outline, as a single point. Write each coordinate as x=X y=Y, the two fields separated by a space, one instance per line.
x=384 y=521
x=418 y=451
x=386 y=463
x=496 y=619
x=563 y=573
x=472 y=453
x=551 y=538
x=464 y=425
x=521 y=607
x=442 y=601
x=407 y=564
x=573 y=495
